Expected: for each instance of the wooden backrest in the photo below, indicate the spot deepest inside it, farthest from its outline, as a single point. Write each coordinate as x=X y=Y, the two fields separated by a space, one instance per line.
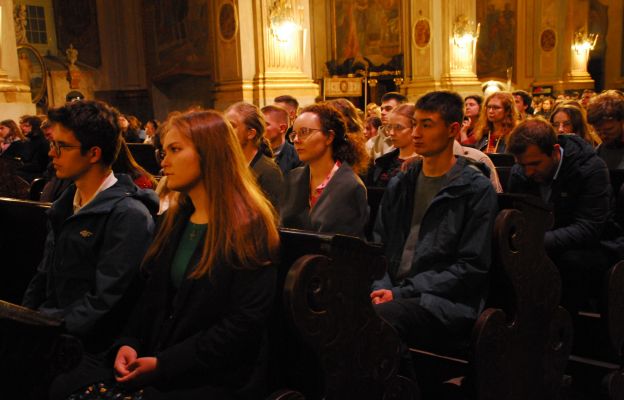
x=327 y=340
x=145 y=156
x=22 y=238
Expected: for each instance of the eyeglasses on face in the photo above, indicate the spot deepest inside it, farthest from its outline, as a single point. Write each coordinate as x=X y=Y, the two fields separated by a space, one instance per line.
x=57 y=147
x=302 y=133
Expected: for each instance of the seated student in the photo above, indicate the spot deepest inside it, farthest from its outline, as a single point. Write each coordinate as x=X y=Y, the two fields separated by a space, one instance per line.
x=498 y=118
x=472 y=112
x=399 y=126
x=126 y=164
x=605 y=113
x=199 y=330
x=570 y=118
x=436 y=222
x=99 y=228
x=37 y=147
x=12 y=142
x=381 y=144
x=248 y=123
x=325 y=195
x=565 y=172
x=284 y=153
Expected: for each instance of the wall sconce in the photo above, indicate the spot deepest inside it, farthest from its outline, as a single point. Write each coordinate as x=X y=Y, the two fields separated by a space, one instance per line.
x=285 y=19
x=465 y=34
x=584 y=42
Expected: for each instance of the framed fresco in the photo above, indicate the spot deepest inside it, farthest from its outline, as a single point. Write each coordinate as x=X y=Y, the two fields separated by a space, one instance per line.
x=497 y=43
x=32 y=71
x=548 y=40
x=77 y=24
x=366 y=30
x=422 y=33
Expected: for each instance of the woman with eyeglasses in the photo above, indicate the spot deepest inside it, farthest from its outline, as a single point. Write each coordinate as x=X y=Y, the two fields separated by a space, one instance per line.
x=12 y=142
x=249 y=126
x=325 y=195
x=498 y=118
x=400 y=123
x=199 y=329
x=568 y=118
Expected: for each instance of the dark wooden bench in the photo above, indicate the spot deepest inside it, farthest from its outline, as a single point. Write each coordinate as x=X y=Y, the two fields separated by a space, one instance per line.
x=521 y=341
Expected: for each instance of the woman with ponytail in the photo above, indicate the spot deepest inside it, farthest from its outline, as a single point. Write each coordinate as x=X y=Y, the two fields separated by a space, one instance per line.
x=248 y=123
x=325 y=195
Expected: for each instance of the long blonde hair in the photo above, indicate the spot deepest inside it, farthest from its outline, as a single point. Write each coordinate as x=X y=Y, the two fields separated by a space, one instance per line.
x=242 y=228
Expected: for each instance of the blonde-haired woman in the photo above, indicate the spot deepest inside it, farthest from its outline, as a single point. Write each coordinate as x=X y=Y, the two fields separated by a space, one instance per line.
x=199 y=329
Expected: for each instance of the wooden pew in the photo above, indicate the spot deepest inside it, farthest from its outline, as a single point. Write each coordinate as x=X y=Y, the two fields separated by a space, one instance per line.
x=374 y=196
x=521 y=341
x=327 y=340
x=22 y=239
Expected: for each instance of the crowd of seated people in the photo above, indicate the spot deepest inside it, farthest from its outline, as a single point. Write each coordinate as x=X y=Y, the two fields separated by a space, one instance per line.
x=193 y=274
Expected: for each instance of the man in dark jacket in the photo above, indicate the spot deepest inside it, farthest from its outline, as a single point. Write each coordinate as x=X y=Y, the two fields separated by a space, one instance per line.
x=284 y=154
x=566 y=173
x=99 y=229
x=435 y=221
x=606 y=114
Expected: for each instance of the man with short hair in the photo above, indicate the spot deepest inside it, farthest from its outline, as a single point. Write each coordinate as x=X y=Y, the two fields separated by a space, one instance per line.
x=285 y=156
x=564 y=171
x=291 y=105
x=99 y=229
x=382 y=143
x=436 y=222
x=605 y=113
x=523 y=103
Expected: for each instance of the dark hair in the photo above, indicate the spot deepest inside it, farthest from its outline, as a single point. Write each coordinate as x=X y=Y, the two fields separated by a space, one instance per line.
x=35 y=124
x=74 y=95
x=153 y=122
x=576 y=113
x=475 y=97
x=345 y=147
x=251 y=116
x=607 y=105
x=374 y=121
x=94 y=123
x=535 y=131
x=277 y=110
x=449 y=105
x=394 y=96
x=288 y=99
x=526 y=97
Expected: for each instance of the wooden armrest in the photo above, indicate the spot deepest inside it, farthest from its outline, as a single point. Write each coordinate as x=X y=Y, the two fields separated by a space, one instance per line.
x=27 y=316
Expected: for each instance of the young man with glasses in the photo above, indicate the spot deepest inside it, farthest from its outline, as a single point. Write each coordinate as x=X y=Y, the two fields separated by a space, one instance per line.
x=99 y=228
x=435 y=222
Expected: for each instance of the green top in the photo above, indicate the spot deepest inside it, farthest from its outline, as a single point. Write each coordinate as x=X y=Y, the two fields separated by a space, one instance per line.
x=192 y=236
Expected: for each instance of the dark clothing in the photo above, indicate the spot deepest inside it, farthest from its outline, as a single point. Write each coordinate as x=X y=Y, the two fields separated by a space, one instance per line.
x=91 y=258
x=54 y=186
x=37 y=159
x=384 y=169
x=500 y=145
x=211 y=332
x=581 y=197
x=16 y=151
x=132 y=136
x=287 y=159
x=269 y=178
x=585 y=240
x=453 y=254
x=612 y=156
x=341 y=208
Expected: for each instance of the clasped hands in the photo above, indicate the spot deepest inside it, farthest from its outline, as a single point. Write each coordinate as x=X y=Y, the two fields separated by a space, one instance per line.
x=131 y=369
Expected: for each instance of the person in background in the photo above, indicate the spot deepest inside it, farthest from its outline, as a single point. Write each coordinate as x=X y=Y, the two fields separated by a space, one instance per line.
x=472 y=111
x=568 y=118
x=126 y=164
x=382 y=144
x=523 y=104
x=291 y=105
x=587 y=95
x=37 y=148
x=605 y=113
x=325 y=195
x=371 y=127
x=276 y=119
x=129 y=133
x=150 y=128
x=373 y=110
x=12 y=142
x=498 y=118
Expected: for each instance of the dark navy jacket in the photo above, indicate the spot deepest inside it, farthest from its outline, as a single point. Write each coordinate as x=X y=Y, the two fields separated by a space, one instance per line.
x=91 y=257
x=581 y=199
x=453 y=253
x=287 y=159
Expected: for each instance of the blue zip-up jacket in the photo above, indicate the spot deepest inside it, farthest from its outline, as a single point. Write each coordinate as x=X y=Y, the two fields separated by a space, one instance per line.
x=91 y=257
x=453 y=254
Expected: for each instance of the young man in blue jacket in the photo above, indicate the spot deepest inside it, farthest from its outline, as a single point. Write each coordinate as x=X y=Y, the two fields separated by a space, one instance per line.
x=436 y=222
x=98 y=230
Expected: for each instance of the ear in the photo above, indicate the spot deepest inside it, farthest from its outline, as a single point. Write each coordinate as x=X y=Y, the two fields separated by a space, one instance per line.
x=454 y=129
x=330 y=137
x=283 y=128
x=94 y=154
x=251 y=134
x=556 y=151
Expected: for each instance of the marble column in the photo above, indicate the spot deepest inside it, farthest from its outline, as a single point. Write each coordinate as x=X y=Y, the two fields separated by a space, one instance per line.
x=15 y=97
x=254 y=62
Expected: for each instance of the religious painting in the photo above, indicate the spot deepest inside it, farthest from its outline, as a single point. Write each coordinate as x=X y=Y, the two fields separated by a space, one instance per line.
x=228 y=22
x=422 y=33
x=367 y=30
x=177 y=37
x=497 y=43
x=548 y=40
x=76 y=23
x=32 y=70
